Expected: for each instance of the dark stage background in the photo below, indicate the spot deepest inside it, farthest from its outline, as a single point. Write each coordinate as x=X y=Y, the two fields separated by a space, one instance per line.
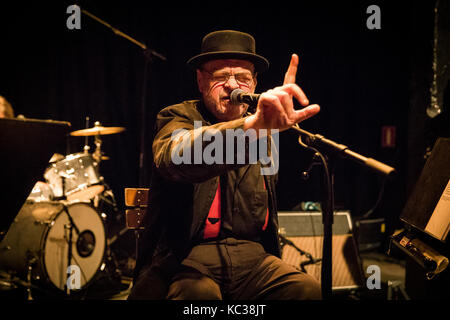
x=363 y=79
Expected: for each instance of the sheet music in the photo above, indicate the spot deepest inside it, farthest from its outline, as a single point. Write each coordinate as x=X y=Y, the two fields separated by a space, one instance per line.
x=439 y=223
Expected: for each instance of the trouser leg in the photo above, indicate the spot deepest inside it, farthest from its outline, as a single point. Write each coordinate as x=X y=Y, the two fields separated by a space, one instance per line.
x=273 y=279
x=240 y=271
x=190 y=284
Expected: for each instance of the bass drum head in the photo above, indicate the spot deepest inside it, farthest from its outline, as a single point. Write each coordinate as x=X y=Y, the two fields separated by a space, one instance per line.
x=88 y=245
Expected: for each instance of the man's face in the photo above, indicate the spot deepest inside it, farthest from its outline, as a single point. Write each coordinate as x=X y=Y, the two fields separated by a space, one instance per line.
x=216 y=80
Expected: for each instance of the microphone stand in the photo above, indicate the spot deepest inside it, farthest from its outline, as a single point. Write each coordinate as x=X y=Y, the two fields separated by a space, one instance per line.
x=330 y=147
x=316 y=142
x=285 y=241
x=148 y=54
x=148 y=51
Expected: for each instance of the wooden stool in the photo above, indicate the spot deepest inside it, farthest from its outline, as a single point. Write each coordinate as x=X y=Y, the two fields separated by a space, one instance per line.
x=136 y=201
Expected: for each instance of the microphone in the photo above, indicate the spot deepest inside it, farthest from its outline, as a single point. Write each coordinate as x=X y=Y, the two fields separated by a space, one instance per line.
x=239 y=96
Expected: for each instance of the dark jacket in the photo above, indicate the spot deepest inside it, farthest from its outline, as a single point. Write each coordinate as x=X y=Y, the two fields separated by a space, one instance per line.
x=179 y=201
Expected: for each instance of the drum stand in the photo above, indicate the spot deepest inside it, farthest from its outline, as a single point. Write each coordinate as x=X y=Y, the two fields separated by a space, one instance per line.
x=10 y=282
x=30 y=268
x=97 y=155
x=105 y=200
x=71 y=225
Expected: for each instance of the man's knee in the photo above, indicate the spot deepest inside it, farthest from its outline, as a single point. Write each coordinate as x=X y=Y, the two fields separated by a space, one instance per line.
x=306 y=289
x=198 y=288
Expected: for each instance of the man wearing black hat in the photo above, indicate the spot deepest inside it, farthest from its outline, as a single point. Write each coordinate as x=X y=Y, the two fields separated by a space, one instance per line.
x=212 y=228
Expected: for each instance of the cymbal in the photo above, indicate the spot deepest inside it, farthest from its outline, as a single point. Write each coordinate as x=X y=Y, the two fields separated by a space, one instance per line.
x=97 y=130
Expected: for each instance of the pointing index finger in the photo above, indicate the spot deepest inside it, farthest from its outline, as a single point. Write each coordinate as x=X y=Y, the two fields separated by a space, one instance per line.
x=291 y=72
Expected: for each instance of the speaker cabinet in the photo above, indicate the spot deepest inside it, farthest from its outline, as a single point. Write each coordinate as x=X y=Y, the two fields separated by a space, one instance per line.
x=305 y=231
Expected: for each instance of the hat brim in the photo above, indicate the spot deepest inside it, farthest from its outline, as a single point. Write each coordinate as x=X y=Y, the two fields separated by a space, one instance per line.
x=261 y=64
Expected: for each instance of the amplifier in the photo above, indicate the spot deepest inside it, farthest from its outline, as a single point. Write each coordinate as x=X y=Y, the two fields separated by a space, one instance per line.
x=305 y=230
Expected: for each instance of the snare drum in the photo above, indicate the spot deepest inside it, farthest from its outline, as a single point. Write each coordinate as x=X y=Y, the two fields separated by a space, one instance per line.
x=76 y=177
x=39 y=237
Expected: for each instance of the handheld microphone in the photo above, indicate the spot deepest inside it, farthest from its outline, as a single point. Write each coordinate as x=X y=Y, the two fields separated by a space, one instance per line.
x=239 y=96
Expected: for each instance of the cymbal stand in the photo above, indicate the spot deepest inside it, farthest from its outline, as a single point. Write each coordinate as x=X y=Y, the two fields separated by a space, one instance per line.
x=86 y=142
x=97 y=155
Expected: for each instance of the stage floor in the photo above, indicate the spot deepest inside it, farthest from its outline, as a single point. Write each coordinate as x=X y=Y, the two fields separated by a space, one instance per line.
x=116 y=286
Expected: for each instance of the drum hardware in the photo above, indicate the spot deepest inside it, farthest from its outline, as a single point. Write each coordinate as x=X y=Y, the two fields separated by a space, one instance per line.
x=86 y=140
x=97 y=130
x=30 y=269
x=6 y=284
x=116 y=236
x=61 y=227
x=105 y=196
x=50 y=246
x=70 y=226
x=56 y=157
x=76 y=177
x=11 y=282
x=97 y=155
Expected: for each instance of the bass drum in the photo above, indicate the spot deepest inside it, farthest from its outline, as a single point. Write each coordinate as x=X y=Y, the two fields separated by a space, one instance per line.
x=39 y=237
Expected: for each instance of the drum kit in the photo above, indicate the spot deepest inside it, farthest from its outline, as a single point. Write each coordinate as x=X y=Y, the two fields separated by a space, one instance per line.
x=63 y=223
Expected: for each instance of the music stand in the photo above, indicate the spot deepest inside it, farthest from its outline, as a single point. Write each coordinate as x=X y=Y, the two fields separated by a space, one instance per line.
x=428 y=190
x=27 y=146
x=426 y=217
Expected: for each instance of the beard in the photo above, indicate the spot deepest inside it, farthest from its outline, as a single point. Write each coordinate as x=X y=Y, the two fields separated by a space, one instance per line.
x=222 y=109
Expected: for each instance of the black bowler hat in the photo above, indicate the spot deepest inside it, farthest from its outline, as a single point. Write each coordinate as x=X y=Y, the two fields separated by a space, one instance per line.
x=229 y=44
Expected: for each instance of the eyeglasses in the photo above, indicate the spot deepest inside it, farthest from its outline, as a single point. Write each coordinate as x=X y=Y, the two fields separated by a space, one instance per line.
x=243 y=78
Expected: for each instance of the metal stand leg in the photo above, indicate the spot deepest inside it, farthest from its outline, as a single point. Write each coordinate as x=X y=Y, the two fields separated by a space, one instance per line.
x=29 y=296
x=394 y=289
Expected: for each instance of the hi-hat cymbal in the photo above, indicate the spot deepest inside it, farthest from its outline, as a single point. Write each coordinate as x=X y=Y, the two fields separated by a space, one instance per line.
x=97 y=130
